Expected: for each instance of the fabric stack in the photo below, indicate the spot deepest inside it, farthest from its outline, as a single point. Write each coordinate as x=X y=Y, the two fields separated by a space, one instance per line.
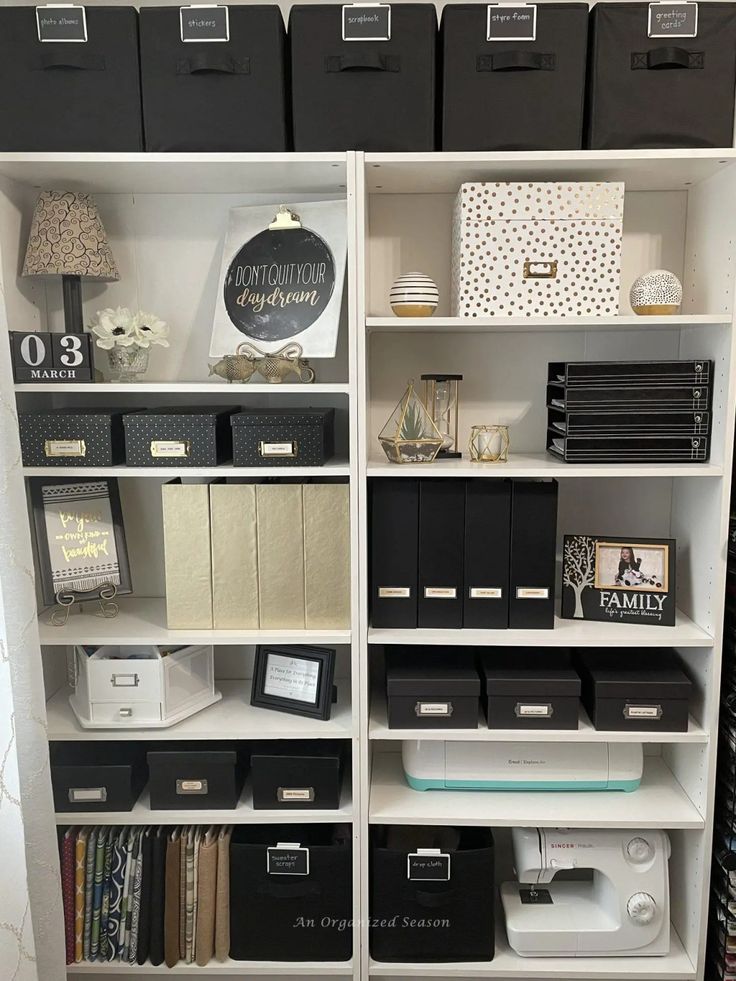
x=151 y=894
x=630 y=411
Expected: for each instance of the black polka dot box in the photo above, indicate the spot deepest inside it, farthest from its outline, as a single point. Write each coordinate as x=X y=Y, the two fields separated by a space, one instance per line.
x=545 y=249
x=283 y=437
x=72 y=438
x=179 y=436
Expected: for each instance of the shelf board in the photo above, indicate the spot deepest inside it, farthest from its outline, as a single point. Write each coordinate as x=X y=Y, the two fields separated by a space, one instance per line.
x=378 y=729
x=244 y=813
x=232 y=718
x=180 y=388
x=533 y=465
x=444 y=172
x=339 y=969
x=521 y=325
x=143 y=621
x=660 y=802
x=507 y=964
x=566 y=633
x=334 y=468
x=180 y=173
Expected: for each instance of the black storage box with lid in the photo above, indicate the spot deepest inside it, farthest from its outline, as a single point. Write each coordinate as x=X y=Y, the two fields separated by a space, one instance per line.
x=266 y=907
x=530 y=688
x=96 y=776
x=644 y=693
x=65 y=96
x=179 y=436
x=513 y=95
x=283 y=437
x=666 y=91
x=220 y=95
x=428 y=689
x=72 y=438
x=297 y=775
x=363 y=95
x=196 y=776
x=465 y=900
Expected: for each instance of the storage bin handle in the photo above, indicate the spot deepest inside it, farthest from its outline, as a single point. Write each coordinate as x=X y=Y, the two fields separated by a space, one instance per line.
x=206 y=61
x=80 y=60
x=667 y=57
x=290 y=890
x=366 y=61
x=435 y=899
x=516 y=61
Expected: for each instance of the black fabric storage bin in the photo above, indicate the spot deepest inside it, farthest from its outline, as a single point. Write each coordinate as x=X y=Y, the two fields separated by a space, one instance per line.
x=266 y=909
x=81 y=96
x=195 y=776
x=658 y=91
x=466 y=900
x=72 y=438
x=363 y=95
x=283 y=437
x=646 y=694
x=96 y=776
x=219 y=96
x=513 y=95
x=530 y=688
x=297 y=775
x=179 y=436
x=427 y=688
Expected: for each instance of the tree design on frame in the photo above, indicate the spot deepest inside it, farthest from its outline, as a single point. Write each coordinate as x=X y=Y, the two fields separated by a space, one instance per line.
x=579 y=568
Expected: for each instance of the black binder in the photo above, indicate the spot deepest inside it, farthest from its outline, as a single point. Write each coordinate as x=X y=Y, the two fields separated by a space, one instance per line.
x=394 y=541
x=533 y=543
x=487 y=538
x=441 y=534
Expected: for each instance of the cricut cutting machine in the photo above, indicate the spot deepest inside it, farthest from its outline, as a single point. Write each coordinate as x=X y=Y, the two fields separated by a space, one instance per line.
x=452 y=765
x=623 y=910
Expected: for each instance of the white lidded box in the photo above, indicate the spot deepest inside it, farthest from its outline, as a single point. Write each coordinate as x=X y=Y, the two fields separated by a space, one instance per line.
x=141 y=687
x=537 y=250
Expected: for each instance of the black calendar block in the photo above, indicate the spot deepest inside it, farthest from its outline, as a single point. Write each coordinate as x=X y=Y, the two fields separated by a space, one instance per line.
x=39 y=356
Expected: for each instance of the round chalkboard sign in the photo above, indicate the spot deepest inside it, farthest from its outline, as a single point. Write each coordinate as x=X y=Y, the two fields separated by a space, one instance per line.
x=279 y=283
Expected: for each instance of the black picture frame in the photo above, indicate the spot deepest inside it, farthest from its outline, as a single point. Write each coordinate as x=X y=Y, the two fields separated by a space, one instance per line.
x=43 y=554
x=320 y=707
x=610 y=579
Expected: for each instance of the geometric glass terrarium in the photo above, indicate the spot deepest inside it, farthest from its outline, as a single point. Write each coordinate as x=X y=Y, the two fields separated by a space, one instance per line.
x=410 y=436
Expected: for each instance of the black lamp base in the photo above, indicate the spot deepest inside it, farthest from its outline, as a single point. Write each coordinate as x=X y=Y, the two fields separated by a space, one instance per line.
x=72 y=289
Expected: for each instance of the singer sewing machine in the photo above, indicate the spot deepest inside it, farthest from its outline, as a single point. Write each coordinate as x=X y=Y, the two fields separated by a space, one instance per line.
x=624 y=910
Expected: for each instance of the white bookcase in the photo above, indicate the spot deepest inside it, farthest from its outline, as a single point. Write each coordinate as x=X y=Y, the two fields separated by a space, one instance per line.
x=166 y=215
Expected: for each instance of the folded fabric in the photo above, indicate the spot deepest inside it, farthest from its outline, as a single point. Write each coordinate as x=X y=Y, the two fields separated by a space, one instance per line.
x=99 y=873
x=144 y=927
x=158 y=898
x=117 y=883
x=222 y=910
x=172 y=889
x=183 y=893
x=79 y=883
x=89 y=878
x=204 y=944
x=126 y=908
x=137 y=887
x=105 y=908
x=68 y=847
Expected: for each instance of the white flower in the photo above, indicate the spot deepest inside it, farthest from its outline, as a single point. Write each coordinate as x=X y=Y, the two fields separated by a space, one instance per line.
x=113 y=328
x=148 y=329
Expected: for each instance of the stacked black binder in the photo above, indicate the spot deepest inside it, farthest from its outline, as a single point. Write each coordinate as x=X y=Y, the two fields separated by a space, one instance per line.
x=630 y=411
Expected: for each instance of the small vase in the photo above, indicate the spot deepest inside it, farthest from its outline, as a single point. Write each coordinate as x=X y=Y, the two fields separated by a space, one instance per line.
x=127 y=364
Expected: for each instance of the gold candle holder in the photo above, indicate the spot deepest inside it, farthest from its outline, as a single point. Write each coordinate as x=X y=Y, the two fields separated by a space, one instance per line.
x=489 y=444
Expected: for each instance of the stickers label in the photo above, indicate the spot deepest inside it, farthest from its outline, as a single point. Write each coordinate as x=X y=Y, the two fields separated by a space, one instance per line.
x=204 y=22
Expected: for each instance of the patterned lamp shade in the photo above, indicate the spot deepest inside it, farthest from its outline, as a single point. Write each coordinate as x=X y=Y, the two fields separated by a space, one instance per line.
x=68 y=239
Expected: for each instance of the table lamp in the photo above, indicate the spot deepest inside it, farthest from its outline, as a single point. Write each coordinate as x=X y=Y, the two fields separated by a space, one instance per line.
x=68 y=239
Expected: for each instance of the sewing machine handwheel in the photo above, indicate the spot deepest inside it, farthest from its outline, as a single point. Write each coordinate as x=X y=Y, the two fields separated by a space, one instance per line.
x=641 y=908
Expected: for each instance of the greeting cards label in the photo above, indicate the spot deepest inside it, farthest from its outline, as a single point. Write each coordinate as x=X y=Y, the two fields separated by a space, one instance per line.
x=366 y=22
x=61 y=23
x=292 y=677
x=673 y=19
x=204 y=22
x=511 y=22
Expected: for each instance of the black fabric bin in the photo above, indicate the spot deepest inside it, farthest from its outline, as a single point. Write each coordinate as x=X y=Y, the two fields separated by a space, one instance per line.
x=225 y=96
x=363 y=95
x=179 y=436
x=513 y=95
x=648 y=695
x=428 y=688
x=72 y=438
x=463 y=904
x=660 y=91
x=281 y=917
x=530 y=688
x=195 y=776
x=296 y=775
x=82 y=96
x=96 y=776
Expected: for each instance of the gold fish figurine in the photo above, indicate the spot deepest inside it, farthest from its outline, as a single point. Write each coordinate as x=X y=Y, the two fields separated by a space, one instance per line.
x=234 y=368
